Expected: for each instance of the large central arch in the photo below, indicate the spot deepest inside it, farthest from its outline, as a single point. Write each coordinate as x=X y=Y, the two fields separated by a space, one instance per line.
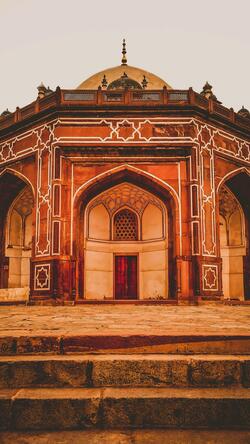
x=151 y=184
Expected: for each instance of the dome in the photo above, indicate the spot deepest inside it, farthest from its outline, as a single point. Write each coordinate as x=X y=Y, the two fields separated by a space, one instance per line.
x=136 y=76
x=115 y=73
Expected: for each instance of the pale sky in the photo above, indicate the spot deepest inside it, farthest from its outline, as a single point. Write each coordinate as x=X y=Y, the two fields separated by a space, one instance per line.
x=186 y=42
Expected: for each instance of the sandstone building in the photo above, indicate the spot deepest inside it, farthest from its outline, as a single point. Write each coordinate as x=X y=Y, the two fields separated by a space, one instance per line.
x=125 y=189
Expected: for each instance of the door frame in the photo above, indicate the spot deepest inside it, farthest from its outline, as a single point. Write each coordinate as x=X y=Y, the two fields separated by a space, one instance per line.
x=137 y=277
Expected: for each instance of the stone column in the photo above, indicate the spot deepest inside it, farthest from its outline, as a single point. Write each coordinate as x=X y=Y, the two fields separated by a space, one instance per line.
x=208 y=263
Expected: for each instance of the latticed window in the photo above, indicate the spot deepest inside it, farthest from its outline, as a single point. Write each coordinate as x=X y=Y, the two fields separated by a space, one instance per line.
x=125 y=225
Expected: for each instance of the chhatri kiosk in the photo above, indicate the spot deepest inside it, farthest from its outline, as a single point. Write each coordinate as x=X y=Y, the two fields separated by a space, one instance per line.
x=124 y=189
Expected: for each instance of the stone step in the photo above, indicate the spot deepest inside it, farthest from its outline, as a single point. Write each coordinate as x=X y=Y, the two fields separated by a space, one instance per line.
x=13 y=295
x=79 y=408
x=135 y=436
x=125 y=370
x=125 y=343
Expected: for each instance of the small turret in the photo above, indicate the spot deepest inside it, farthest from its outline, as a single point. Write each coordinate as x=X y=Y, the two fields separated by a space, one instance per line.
x=243 y=112
x=5 y=113
x=43 y=91
x=207 y=92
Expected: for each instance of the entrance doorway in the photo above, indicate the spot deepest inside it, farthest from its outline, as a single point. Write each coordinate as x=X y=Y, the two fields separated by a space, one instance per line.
x=126 y=285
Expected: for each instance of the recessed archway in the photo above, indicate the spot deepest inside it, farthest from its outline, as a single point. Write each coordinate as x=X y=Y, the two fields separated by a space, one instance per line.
x=234 y=206
x=125 y=255
x=16 y=232
x=90 y=198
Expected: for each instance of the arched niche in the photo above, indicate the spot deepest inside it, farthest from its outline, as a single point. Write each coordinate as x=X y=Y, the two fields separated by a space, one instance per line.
x=232 y=244
x=18 y=234
x=223 y=232
x=15 y=229
x=235 y=228
x=125 y=225
x=99 y=223
x=152 y=223
x=28 y=231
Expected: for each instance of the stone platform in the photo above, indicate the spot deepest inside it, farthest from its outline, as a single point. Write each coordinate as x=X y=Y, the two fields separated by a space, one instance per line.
x=124 y=329
x=124 y=367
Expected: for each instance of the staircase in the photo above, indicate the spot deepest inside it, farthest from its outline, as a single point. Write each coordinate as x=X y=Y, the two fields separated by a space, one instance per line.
x=50 y=391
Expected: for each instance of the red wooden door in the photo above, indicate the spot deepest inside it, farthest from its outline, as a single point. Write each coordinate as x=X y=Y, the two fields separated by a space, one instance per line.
x=125 y=277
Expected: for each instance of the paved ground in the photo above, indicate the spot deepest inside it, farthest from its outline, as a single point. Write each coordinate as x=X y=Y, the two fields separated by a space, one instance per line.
x=124 y=319
x=130 y=437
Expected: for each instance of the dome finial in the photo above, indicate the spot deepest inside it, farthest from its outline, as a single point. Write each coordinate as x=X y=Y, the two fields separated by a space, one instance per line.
x=124 y=52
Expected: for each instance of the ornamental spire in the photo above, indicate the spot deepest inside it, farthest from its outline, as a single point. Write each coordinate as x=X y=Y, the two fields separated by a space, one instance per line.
x=124 y=52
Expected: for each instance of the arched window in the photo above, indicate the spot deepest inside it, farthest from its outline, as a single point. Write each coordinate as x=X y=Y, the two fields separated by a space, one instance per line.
x=125 y=225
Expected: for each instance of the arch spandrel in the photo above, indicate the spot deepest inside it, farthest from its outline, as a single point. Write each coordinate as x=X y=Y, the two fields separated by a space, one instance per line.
x=126 y=173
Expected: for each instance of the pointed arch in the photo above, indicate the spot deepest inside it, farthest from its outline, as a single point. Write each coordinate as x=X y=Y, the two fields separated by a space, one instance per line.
x=20 y=176
x=141 y=178
x=123 y=168
x=14 y=255
x=108 y=179
x=231 y=174
x=125 y=224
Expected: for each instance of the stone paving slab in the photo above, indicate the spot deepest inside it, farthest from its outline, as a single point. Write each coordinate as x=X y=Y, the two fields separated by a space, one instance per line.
x=127 y=319
x=127 y=328
x=130 y=437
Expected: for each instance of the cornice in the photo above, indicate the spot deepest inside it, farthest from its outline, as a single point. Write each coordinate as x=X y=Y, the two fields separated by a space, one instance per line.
x=99 y=103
